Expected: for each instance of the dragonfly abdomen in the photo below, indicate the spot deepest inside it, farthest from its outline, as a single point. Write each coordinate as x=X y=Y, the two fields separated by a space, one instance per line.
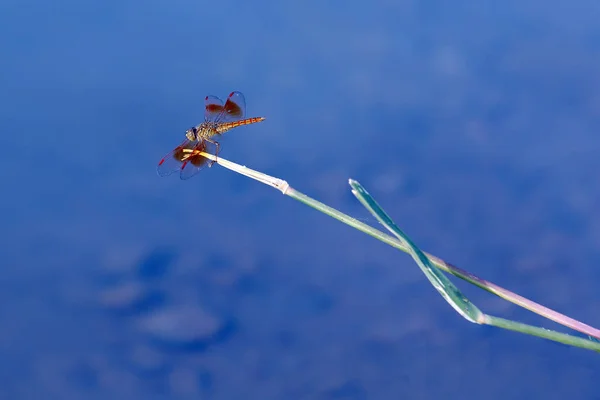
x=230 y=125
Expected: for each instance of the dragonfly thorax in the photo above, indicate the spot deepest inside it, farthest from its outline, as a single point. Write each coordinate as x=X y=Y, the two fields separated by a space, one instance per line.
x=205 y=130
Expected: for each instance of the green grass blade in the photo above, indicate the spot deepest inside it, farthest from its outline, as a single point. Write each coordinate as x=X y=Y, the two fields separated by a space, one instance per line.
x=439 y=281
x=589 y=344
x=451 y=293
x=443 y=265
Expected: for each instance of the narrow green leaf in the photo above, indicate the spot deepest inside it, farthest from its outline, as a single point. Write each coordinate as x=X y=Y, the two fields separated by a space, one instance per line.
x=439 y=281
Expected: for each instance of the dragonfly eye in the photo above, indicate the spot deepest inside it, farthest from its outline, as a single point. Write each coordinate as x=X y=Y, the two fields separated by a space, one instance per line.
x=191 y=134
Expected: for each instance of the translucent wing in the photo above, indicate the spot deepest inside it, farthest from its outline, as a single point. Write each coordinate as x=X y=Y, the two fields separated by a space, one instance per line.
x=235 y=107
x=194 y=162
x=213 y=108
x=183 y=158
x=172 y=161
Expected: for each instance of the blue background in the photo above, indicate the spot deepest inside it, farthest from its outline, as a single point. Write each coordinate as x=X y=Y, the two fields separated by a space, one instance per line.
x=474 y=124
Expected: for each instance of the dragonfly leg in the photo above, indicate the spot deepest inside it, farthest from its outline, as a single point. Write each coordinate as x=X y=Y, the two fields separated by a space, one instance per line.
x=217 y=148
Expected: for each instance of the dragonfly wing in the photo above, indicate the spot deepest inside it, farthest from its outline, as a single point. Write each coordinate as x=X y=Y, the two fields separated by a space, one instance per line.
x=194 y=162
x=173 y=160
x=213 y=108
x=234 y=108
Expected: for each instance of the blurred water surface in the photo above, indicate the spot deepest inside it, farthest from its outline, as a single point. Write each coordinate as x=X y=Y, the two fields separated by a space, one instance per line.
x=473 y=123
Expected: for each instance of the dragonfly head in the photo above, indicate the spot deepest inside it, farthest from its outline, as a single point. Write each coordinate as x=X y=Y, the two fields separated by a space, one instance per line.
x=191 y=134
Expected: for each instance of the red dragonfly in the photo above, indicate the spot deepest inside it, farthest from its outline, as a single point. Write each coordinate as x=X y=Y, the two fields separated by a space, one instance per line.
x=218 y=119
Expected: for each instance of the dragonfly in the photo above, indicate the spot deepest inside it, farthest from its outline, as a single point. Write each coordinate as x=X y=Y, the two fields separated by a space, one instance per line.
x=219 y=118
